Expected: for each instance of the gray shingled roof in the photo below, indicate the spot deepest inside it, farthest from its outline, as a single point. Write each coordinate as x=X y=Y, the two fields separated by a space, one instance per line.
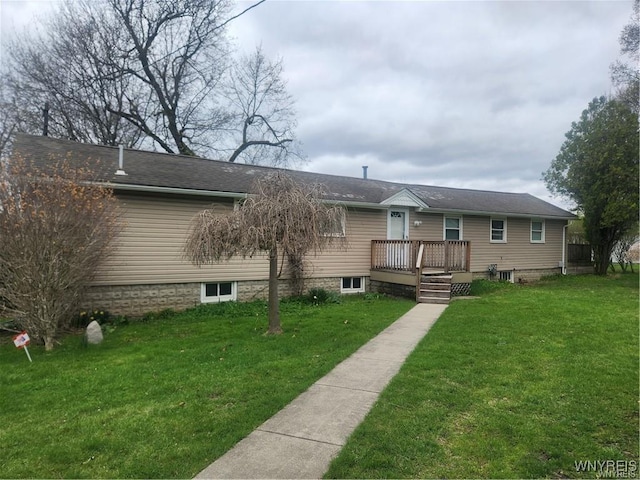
x=153 y=169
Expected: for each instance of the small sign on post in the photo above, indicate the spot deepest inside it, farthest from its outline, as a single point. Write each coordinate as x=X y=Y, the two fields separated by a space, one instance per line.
x=21 y=341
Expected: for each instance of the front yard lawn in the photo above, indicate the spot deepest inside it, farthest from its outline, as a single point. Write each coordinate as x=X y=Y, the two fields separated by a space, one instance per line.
x=166 y=397
x=521 y=383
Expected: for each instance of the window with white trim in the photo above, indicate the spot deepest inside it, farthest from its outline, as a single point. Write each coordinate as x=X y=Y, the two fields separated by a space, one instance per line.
x=352 y=285
x=452 y=228
x=216 y=292
x=338 y=230
x=498 y=232
x=537 y=231
x=237 y=203
x=506 y=276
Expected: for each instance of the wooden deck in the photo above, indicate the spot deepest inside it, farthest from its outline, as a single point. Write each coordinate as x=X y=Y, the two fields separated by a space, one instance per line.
x=426 y=265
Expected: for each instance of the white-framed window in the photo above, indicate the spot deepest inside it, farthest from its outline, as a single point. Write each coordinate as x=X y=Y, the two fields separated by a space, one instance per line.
x=216 y=292
x=506 y=276
x=498 y=233
x=537 y=231
x=339 y=230
x=352 y=285
x=452 y=228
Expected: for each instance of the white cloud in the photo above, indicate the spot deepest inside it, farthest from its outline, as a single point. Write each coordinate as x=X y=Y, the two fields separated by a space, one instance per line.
x=470 y=94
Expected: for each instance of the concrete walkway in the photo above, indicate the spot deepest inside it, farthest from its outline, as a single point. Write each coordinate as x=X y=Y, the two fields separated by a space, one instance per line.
x=301 y=440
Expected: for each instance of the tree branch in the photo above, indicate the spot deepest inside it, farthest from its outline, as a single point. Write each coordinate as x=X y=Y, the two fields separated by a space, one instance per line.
x=245 y=145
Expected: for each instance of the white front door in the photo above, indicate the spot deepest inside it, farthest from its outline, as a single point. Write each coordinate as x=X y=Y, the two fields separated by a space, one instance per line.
x=398 y=229
x=397 y=225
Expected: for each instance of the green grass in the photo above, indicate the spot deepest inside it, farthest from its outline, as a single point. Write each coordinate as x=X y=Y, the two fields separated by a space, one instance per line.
x=520 y=383
x=164 y=398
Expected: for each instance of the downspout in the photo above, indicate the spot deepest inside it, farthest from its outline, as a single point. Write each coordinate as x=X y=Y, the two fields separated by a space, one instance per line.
x=564 y=248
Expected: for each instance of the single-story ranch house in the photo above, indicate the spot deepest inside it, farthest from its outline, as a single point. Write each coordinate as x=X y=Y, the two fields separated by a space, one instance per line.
x=424 y=240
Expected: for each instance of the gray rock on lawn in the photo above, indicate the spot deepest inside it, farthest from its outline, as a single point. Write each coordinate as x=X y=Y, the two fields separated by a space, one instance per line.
x=94 y=333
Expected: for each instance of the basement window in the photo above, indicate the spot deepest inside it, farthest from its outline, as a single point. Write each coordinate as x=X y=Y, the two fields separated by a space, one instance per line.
x=506 y=276
x=352 y=285
x=216 y=292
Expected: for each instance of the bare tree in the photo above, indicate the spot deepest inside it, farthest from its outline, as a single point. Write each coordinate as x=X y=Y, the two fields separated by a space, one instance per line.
x=7 y=127
x=121 y=66
x=64 y=68
x=177 y=50
x=57 y=227
x=622 y=253
x=634 y=254
x=263 y=111
x=282 y=216
x=150 y=72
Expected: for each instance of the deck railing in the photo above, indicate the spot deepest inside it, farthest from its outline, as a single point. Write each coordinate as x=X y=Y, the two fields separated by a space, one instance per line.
x=403 y=255
x=394 y=254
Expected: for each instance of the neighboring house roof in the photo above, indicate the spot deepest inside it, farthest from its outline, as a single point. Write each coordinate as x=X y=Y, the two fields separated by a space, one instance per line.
x=169 y=172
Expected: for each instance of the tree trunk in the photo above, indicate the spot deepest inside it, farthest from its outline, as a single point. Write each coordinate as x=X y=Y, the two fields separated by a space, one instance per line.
x=48 y=343
x=602 y=255
x=274 y=301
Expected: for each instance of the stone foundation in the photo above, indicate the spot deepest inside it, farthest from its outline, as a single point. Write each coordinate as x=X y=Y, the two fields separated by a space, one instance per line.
x=394 y=289
x=259 y=289
x=136 y=300
x=520 y=276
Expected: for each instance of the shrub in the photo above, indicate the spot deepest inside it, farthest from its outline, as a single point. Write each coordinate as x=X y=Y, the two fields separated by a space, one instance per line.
x=320 y=296
x=57 y=225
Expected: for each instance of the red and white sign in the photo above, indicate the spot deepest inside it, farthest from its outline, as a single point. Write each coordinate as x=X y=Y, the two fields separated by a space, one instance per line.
x=21 y=340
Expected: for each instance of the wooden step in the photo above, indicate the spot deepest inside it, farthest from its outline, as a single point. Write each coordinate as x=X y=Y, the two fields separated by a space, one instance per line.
x=435 y=300
x=425 y=292
x=436 y=286
x=435 y=289
x=436 y=278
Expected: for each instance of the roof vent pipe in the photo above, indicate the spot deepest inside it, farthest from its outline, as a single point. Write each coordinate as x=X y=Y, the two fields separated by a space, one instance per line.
x=120 y=170
x=364 y=171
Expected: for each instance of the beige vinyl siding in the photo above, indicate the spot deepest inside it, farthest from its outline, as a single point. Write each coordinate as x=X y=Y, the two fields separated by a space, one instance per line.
x=362 y=226
x=518 y=252
x=149 y=249
x=430 y=229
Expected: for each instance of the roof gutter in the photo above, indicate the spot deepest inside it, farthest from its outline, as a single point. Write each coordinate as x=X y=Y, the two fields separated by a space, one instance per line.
x=208 y=193
x=172 y=190
x=502 y=214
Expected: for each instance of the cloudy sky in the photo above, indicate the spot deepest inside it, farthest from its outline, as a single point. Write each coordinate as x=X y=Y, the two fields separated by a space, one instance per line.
x=470 y=94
